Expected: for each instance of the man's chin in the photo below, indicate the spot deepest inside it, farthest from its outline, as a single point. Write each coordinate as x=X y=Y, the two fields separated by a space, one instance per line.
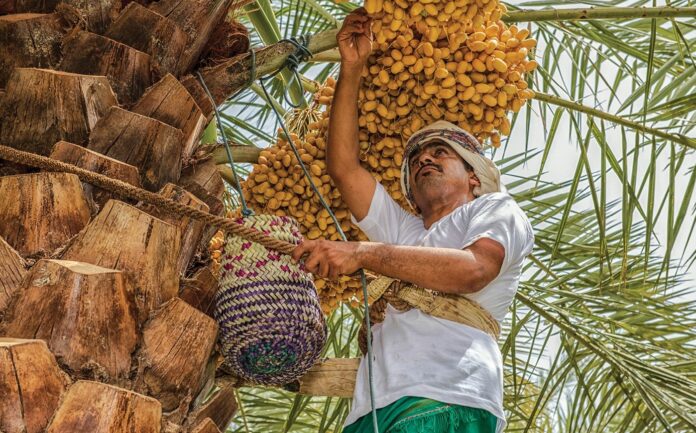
x=429 y=183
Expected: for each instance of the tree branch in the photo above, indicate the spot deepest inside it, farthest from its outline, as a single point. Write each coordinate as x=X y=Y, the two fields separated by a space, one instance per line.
x=615 y=13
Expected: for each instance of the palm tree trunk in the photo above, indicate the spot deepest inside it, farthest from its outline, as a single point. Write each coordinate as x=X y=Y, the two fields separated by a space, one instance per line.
x=134 y=256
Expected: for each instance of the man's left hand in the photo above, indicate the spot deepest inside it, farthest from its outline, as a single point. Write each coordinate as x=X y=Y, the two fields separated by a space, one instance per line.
x=329 y=259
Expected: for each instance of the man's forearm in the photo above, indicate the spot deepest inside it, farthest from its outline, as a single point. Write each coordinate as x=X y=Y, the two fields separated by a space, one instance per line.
x=443 y=269
x=343 y=147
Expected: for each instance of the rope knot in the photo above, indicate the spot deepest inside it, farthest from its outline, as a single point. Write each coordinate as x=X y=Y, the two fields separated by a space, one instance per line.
x=301 y=54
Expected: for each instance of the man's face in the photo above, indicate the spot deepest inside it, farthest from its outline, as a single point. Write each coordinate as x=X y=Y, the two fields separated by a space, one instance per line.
x=436 y=167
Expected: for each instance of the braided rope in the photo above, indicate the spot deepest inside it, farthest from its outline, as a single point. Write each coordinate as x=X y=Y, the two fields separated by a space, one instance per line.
x=403 y=296
x=126 y=190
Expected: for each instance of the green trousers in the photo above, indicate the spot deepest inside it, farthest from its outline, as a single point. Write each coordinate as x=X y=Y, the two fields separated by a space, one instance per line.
x=422 y=415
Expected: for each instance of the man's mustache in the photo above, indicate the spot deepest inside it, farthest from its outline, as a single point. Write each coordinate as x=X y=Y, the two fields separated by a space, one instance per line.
x=435 y=166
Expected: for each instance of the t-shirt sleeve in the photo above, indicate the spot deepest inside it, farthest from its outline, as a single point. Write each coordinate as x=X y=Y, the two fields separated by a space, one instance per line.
x=385 y=219
x=500 y=218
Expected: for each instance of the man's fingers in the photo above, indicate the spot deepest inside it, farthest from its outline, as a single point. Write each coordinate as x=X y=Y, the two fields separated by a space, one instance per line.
x=333 y=273
x=324 y=267
x=301 y=249
x=350 y=30
x=356 y=19
x=352 y=20
x=361 y=11
x=312 y=262
x=358 y=14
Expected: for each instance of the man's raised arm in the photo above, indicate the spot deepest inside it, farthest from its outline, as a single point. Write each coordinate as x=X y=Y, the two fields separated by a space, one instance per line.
x=356 y=184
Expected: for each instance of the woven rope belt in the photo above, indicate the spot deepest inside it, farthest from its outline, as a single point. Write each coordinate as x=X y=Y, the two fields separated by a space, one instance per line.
x=404 y=296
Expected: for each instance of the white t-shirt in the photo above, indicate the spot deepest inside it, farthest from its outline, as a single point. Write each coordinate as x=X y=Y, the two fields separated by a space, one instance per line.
x=419 y=355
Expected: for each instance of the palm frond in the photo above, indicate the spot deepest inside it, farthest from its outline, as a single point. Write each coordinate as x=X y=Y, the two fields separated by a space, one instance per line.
x=600 y=337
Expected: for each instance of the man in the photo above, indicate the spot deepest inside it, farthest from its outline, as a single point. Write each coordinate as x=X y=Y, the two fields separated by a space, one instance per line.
x=430 y=374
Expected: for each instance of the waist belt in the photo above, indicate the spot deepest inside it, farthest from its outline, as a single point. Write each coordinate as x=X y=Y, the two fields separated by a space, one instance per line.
x=404 y=296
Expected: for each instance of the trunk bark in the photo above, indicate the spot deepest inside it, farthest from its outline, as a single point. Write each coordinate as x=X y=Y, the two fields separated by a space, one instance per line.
x=20 y=6
x=31 y=385
x=47 y=210
x=42 y=107
x=93 y=15
x=191 y=230
x=128 y=70
x=12 y=273
x=98 y=163
x=205 y=175
x=84 y=312
x=169 y=102
x=199 y=291
x=177 y=344
x=144 y=247
x=204 y=181
x=206 y=426
x=151 y=33
x=99 y=408
x=220 y=409
x=198 y=18
x=29 y=40
x=148 y=144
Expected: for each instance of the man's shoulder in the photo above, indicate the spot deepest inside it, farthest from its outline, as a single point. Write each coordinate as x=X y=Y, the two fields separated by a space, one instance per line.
x=494 y=199
x=493 y=196
x=499 y=203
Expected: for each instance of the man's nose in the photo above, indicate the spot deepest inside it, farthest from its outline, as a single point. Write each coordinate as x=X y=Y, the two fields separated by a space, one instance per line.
x=425 y=158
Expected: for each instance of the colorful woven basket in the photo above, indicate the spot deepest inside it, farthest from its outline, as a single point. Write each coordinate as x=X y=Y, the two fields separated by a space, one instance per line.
x=272 y=329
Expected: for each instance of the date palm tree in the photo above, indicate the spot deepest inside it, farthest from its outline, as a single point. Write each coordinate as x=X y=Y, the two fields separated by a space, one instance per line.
x=602 y=333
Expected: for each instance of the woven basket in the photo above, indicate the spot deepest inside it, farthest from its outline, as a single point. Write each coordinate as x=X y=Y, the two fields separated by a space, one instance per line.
x=272 y=329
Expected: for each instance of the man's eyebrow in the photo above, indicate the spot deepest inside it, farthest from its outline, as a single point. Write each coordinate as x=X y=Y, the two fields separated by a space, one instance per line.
x=418 y=151
x=436 y=145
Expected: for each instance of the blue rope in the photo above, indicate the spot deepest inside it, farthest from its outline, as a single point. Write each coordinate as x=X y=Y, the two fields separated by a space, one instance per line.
x=294 y=60
x=363 y=278
x=238 y=186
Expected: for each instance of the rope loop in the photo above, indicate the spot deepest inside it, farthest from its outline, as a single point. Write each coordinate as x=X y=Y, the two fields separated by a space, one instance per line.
x=238 y=186
x=301 y=54
x=294 y=60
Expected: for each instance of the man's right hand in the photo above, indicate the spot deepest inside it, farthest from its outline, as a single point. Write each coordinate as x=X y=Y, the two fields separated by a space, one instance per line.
x=357 y=186
x=355 y=39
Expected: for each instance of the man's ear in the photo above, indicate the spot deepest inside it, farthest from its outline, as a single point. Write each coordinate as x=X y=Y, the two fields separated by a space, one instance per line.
x=473 y=179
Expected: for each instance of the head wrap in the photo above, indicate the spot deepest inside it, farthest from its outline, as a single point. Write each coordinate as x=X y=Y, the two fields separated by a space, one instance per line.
x=466 y=146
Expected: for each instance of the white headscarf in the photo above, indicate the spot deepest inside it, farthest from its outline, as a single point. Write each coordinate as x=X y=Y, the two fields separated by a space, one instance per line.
x=466 y=146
